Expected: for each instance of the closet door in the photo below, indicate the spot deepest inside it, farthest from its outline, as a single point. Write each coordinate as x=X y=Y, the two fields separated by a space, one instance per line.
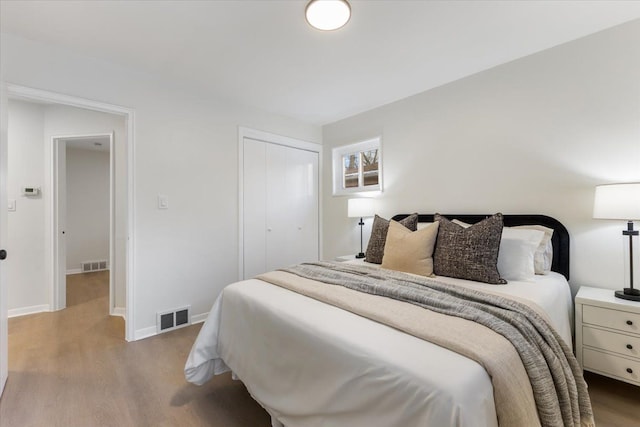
x=281 y=202
x=254 y=221
x=280 y=206
x=292 y=206
x=303 y=184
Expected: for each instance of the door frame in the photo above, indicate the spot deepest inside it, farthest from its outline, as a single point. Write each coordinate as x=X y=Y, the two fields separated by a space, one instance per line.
x=58 y=291
x=31 y=94
x=271 y=138
x=4 y=333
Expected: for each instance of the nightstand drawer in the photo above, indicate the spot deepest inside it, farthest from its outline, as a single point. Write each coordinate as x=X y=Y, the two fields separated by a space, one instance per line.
x=614 y=319
x=609 y=364
x=611 y=341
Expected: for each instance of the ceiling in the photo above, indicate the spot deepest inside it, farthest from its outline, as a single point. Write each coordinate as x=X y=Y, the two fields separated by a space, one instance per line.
x=263 y=54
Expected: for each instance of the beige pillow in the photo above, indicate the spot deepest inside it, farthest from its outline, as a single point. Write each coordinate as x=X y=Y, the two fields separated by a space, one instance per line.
x=410 y=251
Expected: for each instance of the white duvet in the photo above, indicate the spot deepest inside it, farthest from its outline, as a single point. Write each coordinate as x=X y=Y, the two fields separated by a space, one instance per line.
x=312 y=364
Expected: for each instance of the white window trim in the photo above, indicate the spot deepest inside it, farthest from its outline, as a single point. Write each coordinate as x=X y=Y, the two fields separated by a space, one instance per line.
x=337 y=154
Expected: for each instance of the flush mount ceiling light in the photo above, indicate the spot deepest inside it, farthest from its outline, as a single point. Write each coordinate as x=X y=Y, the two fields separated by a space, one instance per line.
x=328 y=15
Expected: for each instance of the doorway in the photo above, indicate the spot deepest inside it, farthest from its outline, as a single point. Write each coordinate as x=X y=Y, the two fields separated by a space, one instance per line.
x=126 y=237
x=122 y=241
x=83 y=170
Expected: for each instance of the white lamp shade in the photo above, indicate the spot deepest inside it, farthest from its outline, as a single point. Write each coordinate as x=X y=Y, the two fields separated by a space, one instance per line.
x=328 y=14
x=360 y=208
x=617 y=201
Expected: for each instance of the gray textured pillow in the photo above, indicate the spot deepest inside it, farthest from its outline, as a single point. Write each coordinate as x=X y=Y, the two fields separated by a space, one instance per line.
x=379 y=229
x=469 y=253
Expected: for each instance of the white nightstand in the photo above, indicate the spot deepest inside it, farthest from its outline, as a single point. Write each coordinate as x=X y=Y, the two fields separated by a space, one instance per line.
x=608 y=334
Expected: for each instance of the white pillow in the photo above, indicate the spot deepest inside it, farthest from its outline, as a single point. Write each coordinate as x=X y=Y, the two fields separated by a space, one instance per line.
x=422 y=225
x=517 y=252
x=544 y=253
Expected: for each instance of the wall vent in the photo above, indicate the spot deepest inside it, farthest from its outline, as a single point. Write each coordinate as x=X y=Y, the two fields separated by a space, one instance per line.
x=89 y=266
x=173 y=319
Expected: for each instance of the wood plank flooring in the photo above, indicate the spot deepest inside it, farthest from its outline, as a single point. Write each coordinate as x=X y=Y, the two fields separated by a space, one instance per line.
x=73 y=368
x=615 y=403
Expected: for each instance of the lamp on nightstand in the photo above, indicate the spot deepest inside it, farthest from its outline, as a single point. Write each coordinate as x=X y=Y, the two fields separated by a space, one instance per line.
x=360 y=208
x=621 y=201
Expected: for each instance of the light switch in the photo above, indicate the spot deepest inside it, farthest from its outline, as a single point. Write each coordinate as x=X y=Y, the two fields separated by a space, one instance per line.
x=163 y=201
x=11 y=203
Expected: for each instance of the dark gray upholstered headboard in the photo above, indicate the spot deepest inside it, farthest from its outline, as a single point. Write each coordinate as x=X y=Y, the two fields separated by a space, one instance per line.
x=560 y=238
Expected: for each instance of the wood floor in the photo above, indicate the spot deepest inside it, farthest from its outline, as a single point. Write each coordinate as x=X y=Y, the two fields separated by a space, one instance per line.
x=73 y=368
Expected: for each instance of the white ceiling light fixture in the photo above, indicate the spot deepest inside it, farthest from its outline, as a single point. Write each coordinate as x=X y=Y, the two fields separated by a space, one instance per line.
x=328 y=15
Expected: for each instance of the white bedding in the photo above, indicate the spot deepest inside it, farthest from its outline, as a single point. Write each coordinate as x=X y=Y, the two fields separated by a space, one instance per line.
x=312 y=364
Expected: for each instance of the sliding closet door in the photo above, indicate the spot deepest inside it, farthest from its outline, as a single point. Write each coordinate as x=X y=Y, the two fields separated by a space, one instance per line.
x=292 y=206
x=280 y=206
x=302 y=186
x=255 y=207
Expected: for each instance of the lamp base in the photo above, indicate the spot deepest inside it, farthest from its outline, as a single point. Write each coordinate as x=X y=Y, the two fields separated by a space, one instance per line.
x=360 y=255
x=629 y=294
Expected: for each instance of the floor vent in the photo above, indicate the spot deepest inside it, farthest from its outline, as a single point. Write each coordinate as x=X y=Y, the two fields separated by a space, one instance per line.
x=89 y=266
x=174 y=319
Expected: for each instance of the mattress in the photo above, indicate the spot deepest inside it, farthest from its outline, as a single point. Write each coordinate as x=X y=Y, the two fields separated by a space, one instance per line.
x=312 y=364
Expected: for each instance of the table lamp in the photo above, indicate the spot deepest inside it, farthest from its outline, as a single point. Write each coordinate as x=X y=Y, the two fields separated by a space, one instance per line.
x=621 y=201
x=360 y=208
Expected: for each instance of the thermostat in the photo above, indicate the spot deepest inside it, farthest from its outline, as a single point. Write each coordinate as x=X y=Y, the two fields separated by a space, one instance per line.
x=30 y=191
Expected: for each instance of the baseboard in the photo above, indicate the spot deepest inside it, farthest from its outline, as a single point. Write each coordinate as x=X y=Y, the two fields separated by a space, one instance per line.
x=199 y=318
x=79 y=271
x=119 y=311
x=153 y=330
x=23 y=311
x=143 y=333
x=3 y=381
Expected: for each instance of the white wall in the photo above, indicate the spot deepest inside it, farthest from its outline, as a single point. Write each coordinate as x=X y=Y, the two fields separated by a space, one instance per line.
x=25 y=266
x=31 y=129
x=87 y=228
x=186 y=148
x=532 y=136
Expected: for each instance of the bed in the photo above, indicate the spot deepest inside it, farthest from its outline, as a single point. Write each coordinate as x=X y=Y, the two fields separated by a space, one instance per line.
x=309 y=363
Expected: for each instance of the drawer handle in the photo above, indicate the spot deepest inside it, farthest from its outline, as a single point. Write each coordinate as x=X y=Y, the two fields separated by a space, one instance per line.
x=629 y=322
x=629 y=370
x=629 y=346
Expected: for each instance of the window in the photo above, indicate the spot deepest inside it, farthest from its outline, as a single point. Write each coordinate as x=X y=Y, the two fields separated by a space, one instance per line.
x=357 y=167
